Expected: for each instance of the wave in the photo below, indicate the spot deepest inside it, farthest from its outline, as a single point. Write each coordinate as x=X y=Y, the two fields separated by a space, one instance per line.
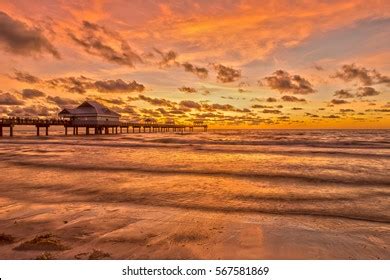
x=296 y=152
x=213 y=147
x=180 y=201
x=154 y=170
x=338 y=139
x=295 y=142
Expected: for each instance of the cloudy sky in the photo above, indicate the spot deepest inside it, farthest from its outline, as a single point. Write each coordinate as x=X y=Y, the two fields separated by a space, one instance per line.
x=249 y=64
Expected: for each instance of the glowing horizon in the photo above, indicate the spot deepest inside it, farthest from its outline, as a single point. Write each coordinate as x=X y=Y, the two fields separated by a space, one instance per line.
x=235 y=64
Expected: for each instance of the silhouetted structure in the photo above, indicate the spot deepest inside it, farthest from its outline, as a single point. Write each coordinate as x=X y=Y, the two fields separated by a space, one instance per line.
x=150 y=121
x=93 y=115
x=169 y=121
x=198 y=122
x=90 y=112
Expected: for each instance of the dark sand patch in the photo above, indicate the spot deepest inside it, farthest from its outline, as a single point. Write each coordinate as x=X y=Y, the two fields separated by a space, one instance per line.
x=136 y=239
x=6 y=239
x=98 y=255
x=45 y=256
x=94 y=255
x=45 y=242
x=81 y=256
x=188 y=237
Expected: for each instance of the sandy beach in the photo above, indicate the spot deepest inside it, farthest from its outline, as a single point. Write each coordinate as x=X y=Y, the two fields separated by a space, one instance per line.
x=192 y=197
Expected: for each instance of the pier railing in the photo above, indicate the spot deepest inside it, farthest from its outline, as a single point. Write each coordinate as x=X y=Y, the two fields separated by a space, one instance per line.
x=32 y=121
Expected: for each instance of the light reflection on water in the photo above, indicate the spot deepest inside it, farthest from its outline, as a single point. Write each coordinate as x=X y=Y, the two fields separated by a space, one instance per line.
x=331 y=174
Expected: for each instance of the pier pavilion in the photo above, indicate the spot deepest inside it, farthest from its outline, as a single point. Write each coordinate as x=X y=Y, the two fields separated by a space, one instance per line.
x=90 y=112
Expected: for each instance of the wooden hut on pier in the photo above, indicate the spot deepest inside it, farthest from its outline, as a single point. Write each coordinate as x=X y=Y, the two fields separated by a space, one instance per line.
x=150 y=121
x=90 y=113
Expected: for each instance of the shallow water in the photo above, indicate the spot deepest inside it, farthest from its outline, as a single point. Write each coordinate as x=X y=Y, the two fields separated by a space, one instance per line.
x=302 y=178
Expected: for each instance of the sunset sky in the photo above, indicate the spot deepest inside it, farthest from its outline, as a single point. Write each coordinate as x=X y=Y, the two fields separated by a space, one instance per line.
x=237 y=64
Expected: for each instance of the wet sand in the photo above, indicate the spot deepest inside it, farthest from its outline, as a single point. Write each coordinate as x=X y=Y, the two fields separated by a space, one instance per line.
x=137 y=232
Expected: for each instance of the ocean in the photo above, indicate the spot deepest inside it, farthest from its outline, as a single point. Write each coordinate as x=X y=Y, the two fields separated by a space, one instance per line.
x=254 y=194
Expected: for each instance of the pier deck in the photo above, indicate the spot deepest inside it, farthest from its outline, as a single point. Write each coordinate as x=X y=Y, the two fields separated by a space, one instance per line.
x=93 y=127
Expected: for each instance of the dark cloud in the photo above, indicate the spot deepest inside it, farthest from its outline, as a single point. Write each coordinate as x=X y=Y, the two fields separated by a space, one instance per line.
x=343 y=93
x=331 y=117
x=157 y=101
x=271 y=99
x=367 y=91
x=242 y=86
x=25 y=77
x=167 y=58
x=379 y=110
x=347 y=110
x=18 y=38
x=162 y=111
x=226 y=74
x=118 y=86
x=289 y=98
x=190 y=104
x=205 y=91
x=177 y=112
x=187 y=89
x=99 y=41
x=61 y=102
x=258 y=106
x=81 y=84
x=9 y=99
x=284 y=82
x=216 y=106
x=30 y=93
x=230 y=97
x=367 y=77
x=318 y=67
x=269 y=111
x=296 y=108
x=115 y=101
x=150 y=113
x=71 y=84
x=200 y=72
x=127 y=110
x=207 y=115
x=245 y=110
x=338 y=101
x=311 y=115
x=33 y=111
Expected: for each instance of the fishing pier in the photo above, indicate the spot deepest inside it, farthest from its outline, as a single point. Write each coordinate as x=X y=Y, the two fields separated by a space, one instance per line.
x=77 y=127
x=94 y=118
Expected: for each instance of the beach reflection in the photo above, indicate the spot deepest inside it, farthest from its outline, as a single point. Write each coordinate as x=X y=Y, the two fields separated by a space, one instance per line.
x=223 y=194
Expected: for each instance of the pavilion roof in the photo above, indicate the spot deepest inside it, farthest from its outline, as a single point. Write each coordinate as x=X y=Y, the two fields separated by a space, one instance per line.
x=89 y=108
